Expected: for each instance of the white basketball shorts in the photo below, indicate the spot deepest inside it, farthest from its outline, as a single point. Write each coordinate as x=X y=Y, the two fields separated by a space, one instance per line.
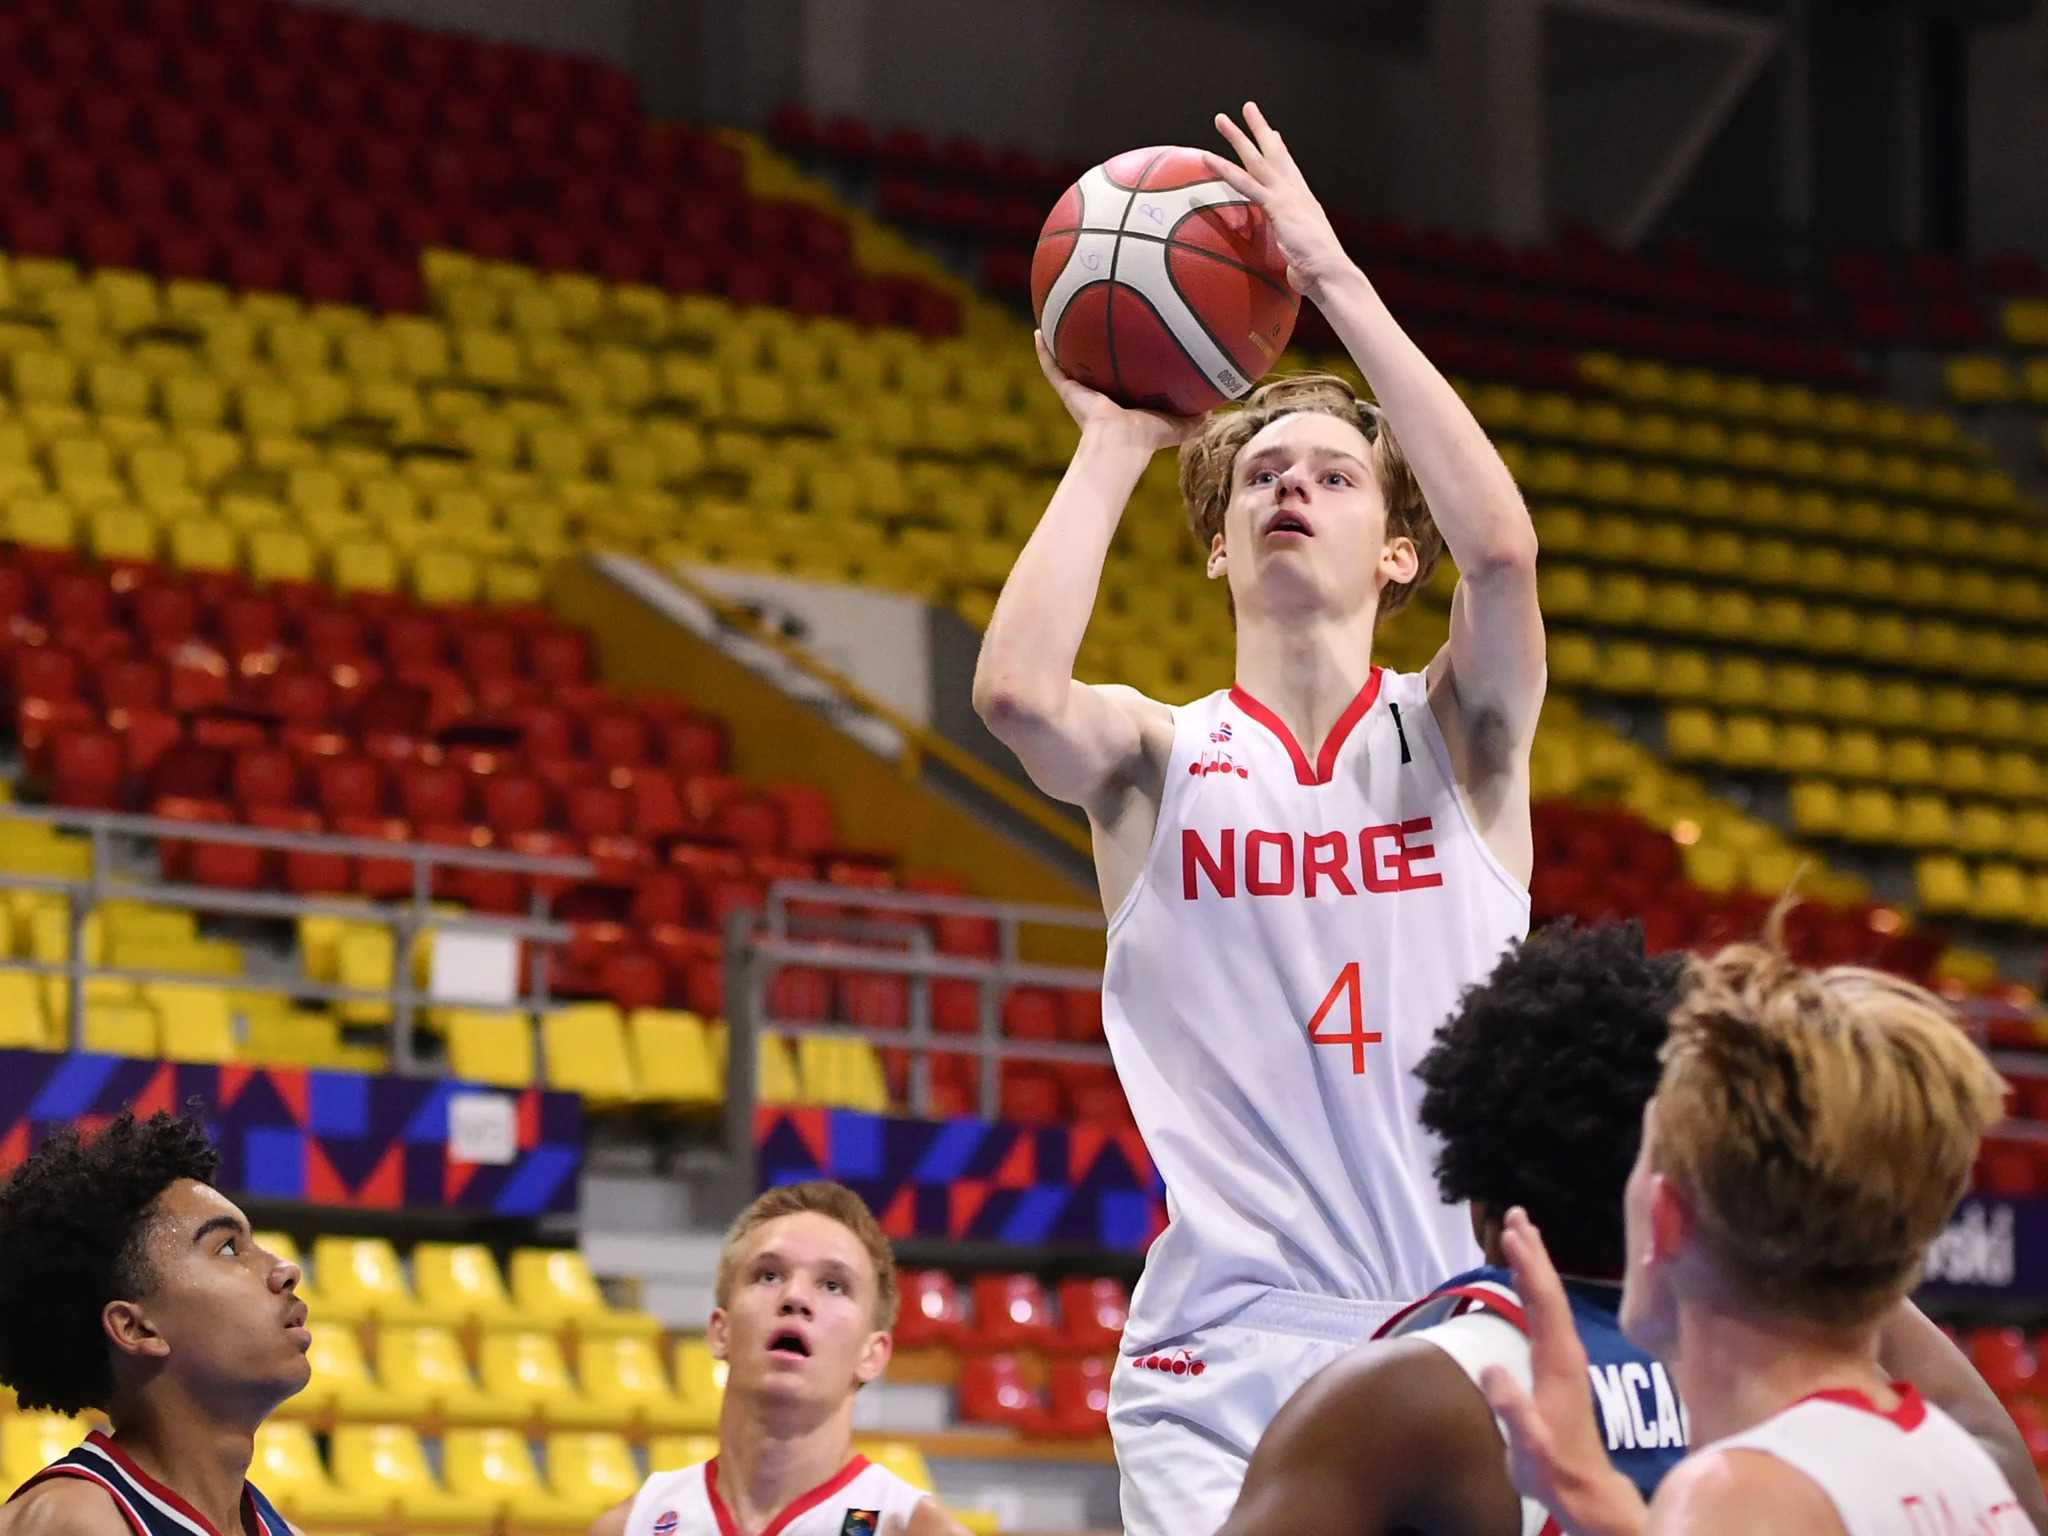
x=1186 y=1417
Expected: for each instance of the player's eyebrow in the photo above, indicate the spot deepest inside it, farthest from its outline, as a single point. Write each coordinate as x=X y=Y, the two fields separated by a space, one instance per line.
x=1327 y=455
x=837 y=1269
x=214 y=1224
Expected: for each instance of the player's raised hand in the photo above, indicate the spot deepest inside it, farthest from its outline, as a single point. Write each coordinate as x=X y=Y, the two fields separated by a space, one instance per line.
x=1554 y=1450
x=1268 y=176
x=1094 y=411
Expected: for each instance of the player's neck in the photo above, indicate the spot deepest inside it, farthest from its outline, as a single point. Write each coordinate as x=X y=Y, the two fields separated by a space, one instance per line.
x=1734 y=1371
x=198 y=1455
x=778 y=1452
x=1305 y=668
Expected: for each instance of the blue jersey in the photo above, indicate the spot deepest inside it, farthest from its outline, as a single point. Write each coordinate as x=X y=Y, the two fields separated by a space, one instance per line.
x=147 y=1505
x=1638 y=1410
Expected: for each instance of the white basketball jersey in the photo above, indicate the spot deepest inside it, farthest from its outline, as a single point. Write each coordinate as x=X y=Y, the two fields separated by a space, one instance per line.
x=862 y=1499
x=1300 y=929
x=1911 y=1472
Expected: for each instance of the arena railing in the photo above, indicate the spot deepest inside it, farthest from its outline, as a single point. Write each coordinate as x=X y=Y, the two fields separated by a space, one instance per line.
x=407 y=919
x=885 y=932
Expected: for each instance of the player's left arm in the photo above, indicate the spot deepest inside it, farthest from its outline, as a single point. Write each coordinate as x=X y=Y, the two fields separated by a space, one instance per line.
x=931 y=1519
x=1714 y=1492
x=1494 y=662
x=1911 y=1347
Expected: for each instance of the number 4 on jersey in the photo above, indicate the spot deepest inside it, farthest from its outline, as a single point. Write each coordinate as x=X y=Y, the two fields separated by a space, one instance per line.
x=1358 y=1037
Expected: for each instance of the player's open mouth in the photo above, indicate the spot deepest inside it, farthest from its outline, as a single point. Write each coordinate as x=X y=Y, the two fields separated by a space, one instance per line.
x=1289 y=522
x=789 y=1342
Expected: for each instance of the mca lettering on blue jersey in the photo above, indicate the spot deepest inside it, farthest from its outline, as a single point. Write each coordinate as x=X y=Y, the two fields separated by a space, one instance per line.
x=1640 y=1416
x=147 y=1505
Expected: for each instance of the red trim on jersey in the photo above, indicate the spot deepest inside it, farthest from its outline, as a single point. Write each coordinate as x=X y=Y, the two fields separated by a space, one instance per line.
x=86 y=1474
x=1326 y=759
x=1907 y=1415
x=802 y=1504
x=1479 y=1296
x=160 y=1493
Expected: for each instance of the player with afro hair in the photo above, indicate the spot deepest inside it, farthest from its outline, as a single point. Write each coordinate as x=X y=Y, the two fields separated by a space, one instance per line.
x=130 y=1285
x=1535 y=1089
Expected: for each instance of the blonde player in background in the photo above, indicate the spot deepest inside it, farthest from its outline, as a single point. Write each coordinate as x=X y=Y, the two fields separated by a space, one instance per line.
x=806 y=1298
x=1301 y=873
x=1810 y=1136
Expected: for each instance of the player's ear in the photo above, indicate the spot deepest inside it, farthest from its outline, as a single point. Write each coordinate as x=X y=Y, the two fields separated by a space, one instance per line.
x=1399 y=560
x=1215 y=566
x=714 y=1333
x=1671 y=1223
x=874 y=1356
x=128 y=1325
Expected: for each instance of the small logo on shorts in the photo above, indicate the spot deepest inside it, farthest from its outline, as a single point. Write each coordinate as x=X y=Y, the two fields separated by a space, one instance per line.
x=665 y=1523
x=1175 y=1362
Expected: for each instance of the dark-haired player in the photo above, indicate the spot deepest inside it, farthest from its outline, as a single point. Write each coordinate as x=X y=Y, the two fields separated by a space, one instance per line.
x=1536 y=1087
x=129 y=1284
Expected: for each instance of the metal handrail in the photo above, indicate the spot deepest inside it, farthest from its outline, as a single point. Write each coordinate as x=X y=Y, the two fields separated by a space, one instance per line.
x=919 y=741
x=406 y=920
x=760 y=943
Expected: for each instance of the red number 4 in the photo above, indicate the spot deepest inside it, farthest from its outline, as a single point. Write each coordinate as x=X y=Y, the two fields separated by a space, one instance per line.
x=1358 y=1037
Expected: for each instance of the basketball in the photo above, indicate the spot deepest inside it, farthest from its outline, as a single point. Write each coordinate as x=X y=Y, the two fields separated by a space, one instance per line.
x=1158 y=284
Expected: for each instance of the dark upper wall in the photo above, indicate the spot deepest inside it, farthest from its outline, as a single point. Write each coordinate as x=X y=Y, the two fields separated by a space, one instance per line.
x=1432 y=110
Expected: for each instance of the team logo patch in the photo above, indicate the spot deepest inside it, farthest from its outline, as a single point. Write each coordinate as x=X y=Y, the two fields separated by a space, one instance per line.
x=1221 y=733
x=665 y=1523
x=861 y=1522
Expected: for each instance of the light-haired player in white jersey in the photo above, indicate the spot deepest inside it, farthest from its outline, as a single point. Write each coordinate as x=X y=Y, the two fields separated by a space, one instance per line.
x=1810 y=1135
x=806 y=1298
x=1302 y=872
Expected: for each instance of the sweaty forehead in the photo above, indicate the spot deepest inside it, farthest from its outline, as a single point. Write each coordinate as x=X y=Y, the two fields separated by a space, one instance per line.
x=1308 y=432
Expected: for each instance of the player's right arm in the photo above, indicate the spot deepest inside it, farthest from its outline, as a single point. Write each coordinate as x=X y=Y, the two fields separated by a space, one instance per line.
x=63 y=1506
x=1079 y=743
x=1393 y=1437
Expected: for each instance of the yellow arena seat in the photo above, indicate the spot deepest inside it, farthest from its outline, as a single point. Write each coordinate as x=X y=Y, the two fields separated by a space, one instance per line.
x=490 y=1046
x=527 y=1371
x=341 y=1381
x=843 y=1073
x=425 y=1365
x=281 y=554
x=461 y=1282
x=31 y=1441
x=287 y=1466
x=443 y=576
x=584 y=1048
x=364 y=1276
x=24 y=1023
x=625 y=1375
x=672 y=1059
x=115 y=1028
x=700 y=1379
x=591 y=1470
x=194 y=1021
x=387 y=1461
x=495 y=1465
x=2002 y=895
x=553 y=1287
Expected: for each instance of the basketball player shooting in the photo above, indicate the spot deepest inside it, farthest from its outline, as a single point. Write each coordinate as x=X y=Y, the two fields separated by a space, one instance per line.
x=1397 y=1438
x=1302 y=872
x=1810 y=1135
x=806 y=1297
x=129 y=1284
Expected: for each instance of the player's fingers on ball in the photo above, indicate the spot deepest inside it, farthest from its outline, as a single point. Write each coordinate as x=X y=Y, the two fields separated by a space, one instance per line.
x=1236 y=138
x=1233 y=176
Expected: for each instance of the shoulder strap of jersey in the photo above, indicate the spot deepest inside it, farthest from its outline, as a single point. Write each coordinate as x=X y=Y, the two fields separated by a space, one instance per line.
x=1479 y=1290
x=150 y=1508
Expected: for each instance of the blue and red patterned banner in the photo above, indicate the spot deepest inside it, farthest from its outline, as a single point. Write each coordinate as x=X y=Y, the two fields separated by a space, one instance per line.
x=975 y=1180
x=323 y=1138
